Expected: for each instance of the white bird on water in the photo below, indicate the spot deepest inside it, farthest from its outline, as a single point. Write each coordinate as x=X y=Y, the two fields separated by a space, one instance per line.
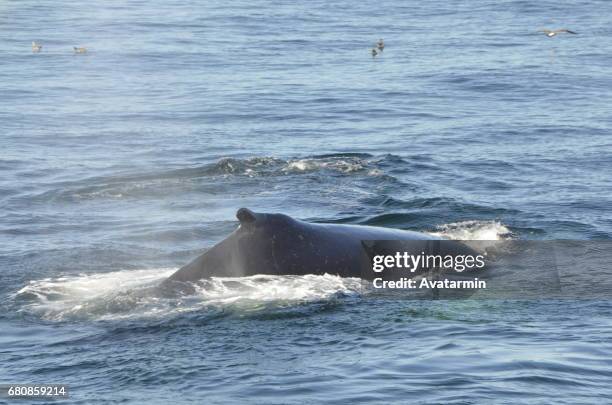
x=36 y=47
x=79 y=49
x=552 y=33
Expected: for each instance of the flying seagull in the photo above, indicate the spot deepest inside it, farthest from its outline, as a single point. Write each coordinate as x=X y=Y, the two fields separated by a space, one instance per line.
x=381 y=45
x=79 y=49
x=36 y=47
x=552 y=33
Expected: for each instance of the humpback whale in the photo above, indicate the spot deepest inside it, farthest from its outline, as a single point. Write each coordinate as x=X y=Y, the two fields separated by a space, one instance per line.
x=280 y=245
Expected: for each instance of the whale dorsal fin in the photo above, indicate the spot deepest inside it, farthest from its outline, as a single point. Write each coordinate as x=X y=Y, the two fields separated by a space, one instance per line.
x=245 y=216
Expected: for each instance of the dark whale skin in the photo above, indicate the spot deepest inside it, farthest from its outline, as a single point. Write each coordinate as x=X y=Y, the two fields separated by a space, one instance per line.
x=277 y=244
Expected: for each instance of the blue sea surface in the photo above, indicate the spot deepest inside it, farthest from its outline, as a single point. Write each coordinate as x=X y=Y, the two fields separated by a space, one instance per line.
x=122 y=164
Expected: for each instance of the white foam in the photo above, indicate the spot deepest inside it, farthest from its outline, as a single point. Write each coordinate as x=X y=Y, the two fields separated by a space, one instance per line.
x=101 y=295
x=474 y=230
x=344 y=166
x=268 y=288
x=130 y=294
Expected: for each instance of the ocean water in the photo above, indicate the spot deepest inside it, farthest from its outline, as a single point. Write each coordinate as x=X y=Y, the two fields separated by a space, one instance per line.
x=122 y=164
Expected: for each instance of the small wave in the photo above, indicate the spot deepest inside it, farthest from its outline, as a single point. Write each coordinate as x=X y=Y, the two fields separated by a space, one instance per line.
x=249 y=167
x=130 y=185
x=262 y=166
x=474 y=230
x=343 y=165
x=133 y=294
